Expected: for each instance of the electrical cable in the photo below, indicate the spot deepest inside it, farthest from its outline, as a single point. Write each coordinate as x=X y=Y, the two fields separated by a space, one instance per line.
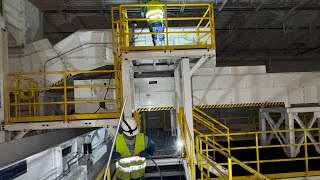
x=105 y=96
x=161 y=177
x=180 y=160
x=120 y=56
x=67 y=171
x=136 y=36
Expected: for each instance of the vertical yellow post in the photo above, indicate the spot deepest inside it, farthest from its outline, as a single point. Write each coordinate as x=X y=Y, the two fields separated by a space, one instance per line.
x=200 y=155
x=167 y=26
x=112 y=31
x=229 y=160
x=207 y=154
x=257 y=152
x=8 y=109
x=120 y=43
x=109 y=174
x=306 y=152
x=213 y=36
x=65 y=95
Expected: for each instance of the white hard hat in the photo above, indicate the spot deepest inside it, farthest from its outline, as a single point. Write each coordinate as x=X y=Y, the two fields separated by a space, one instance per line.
x=129 y=127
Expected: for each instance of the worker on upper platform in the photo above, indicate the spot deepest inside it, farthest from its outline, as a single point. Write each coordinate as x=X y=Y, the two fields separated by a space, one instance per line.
x=154 y=14
x=131 y=149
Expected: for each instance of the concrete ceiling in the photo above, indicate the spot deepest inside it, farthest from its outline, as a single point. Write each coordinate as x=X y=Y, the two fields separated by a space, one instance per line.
x=242 y=26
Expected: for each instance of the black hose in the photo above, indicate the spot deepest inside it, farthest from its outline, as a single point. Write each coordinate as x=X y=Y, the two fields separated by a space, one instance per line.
x=161 y=177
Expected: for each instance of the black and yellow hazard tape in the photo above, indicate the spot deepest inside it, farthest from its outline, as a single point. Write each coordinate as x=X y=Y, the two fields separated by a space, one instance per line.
x=240 y=105
x=155 y=109
x=60 y=81
x=215 y=106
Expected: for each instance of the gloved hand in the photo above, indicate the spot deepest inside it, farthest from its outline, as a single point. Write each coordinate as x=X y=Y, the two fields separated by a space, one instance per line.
x=116 y=155
x=143 y=154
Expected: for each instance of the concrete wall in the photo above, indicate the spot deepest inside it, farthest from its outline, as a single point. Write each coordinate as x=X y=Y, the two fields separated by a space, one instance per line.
x=233 y=85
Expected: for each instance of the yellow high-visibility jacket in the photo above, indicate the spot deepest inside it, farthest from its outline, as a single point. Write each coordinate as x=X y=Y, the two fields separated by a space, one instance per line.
x=137 y=169
x=154 y=12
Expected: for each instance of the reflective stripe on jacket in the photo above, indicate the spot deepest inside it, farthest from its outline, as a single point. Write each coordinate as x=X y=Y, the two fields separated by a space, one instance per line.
x=154 y=12
x=133 y=167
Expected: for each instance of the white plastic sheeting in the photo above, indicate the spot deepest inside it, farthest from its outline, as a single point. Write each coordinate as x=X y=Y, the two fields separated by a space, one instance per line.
x=24 y=22
x=83 y=50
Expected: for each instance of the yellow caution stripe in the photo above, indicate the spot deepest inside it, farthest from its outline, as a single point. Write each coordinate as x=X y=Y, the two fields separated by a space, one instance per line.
x=155 y=109
x=60 y=81
x=215 y=106
x=240 y=105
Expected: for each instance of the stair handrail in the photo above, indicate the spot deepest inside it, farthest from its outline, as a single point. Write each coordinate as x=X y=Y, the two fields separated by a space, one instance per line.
x=189 y=154
x=200 y=139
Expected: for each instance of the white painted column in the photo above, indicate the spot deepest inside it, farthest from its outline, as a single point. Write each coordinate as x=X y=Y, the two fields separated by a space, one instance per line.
x=262 y=127
x=187 y=92
x=178 y=92
x=4 y=68
x=290 y=136
x=187 y=101
x=177 y=86
x=127 y=87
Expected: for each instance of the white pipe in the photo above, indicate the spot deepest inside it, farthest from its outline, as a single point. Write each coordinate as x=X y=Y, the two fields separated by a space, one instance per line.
x=115 y=138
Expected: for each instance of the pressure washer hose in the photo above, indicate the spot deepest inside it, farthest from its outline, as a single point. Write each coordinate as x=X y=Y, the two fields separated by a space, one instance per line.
x=161 y=177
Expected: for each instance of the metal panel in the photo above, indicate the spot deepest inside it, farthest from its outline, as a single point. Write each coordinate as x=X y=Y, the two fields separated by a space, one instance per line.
x=156 y=99
x=11 y=151
x=61 y=125
x=144 y=85
x=93 y=93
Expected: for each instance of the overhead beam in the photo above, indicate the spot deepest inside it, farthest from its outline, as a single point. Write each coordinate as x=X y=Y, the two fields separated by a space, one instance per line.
x=223 y=4
x=102 y=13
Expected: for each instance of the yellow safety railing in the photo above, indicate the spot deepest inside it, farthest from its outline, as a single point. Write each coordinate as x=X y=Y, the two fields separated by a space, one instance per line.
x=30 y=99
x=257 y=150
x=204 y=154
x=186 y=136
x=217 y=128
x=189 y=37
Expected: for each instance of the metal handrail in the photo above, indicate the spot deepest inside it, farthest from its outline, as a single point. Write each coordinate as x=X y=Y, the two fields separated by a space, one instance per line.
x=121 y=36
x=189 y=154
x=257 y=147
x=238 y=162
x=17 y=91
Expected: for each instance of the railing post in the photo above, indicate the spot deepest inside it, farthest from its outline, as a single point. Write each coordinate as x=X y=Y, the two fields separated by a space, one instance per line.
x=229 y=159
x=167 y=27
x=306 y=152
x=212 y=27
x=257 y=152
x=7 y=100
x=207 y=154
x=200 y=155
x=65 y=96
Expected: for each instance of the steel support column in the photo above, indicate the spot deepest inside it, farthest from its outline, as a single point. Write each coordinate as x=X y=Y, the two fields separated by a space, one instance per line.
x=290 y=136
x=177 y=86
x=4 y=68
x=262 y=127
x=187 y=103
x=127 y=87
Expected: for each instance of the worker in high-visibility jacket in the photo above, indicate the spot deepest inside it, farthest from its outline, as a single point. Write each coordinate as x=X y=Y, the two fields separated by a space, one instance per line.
x=131 y=150
x=156 y=24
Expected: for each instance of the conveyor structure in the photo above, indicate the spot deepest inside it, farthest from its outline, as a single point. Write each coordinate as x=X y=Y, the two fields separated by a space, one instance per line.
x=80 y=83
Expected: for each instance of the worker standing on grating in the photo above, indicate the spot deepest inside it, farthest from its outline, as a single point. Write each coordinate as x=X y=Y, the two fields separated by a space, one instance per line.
x=154 y=13
x=131 y=150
